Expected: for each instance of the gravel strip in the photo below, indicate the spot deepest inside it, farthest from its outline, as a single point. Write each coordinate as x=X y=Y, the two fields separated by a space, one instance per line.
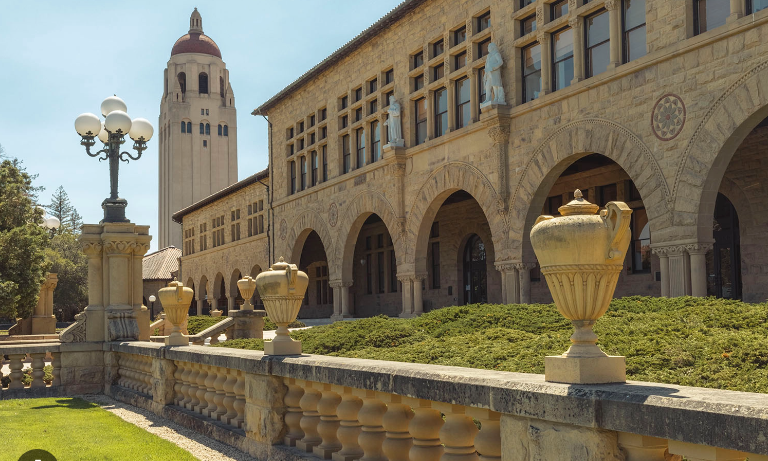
x=200 y=446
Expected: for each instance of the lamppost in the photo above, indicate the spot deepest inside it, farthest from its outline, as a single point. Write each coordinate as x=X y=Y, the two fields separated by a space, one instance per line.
x=112 y=132
x=152 y=299
x=50 y=222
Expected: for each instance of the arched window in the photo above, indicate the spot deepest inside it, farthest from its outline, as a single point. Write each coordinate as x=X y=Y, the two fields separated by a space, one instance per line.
x=182 y=77
x=189 y=127
x=203 y=82
x=183 y=127
x=226 y=130
x=219 y=129
x=202 y=128
x=221 y=86
x=207 y=129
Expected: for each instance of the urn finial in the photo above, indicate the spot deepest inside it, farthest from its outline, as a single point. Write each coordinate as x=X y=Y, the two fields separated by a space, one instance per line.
x=578 y=206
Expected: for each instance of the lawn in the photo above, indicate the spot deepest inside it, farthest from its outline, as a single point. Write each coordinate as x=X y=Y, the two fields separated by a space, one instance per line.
x=703 y=342
x=73 y=429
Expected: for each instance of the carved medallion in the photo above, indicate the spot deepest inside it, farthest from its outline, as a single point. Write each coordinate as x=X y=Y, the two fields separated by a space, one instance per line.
x=283 y=229
x=668 y=117
x=333 y=215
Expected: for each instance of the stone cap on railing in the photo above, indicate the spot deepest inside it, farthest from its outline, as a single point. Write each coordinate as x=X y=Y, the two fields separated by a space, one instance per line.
x=33 y=348
x=199 y=338
x=658 y=410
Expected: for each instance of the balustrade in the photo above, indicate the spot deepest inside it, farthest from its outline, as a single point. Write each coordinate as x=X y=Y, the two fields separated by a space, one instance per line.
x=26 y=368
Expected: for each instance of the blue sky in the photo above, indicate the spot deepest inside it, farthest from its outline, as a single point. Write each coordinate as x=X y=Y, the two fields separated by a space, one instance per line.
x=60 y=59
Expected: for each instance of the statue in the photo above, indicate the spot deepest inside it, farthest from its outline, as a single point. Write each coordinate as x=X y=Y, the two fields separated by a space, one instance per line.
x=494 y=90
x=394 y=129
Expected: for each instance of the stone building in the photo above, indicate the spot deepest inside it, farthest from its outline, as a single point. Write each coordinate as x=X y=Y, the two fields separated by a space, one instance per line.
x=198 y=128
x=158 y=269
x=659 y=103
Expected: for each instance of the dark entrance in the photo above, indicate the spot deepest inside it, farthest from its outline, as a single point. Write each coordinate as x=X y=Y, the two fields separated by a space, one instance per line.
x=475 y=280
x=724 y=261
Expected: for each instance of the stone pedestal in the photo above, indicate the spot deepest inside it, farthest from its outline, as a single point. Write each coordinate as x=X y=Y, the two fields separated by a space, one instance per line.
x=42 y=322
x=248 y=324
x=585 y=370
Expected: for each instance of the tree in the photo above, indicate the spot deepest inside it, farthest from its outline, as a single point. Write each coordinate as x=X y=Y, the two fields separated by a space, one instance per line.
x=71 y=266
x=62 y=209
x=22 y=242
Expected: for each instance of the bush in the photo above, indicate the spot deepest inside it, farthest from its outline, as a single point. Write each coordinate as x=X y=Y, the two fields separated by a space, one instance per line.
x=704 y=342
x=199 y=323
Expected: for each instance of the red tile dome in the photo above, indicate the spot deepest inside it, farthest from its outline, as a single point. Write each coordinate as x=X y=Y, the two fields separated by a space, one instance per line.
x=196 y=43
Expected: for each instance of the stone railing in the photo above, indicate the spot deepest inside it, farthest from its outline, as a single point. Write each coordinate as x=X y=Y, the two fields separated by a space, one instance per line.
x=213 y=332
x=318 y=407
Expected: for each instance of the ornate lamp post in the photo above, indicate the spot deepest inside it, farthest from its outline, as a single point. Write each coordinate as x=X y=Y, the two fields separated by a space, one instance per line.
x=152 y=300
x=111 y=133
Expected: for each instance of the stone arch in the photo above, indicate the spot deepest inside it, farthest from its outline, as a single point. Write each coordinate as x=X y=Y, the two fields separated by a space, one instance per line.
x=233 y=290
x=356 y=211
x=443 y=182
x=714 y=142
x=306 y=222
x=740 y=201
x=571 y=142
x=203 y=288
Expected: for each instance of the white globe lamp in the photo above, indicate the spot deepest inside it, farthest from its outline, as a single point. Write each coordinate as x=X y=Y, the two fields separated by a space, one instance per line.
x=112 y=104
x=141 y=128
x=118 y=121
x=87 y=125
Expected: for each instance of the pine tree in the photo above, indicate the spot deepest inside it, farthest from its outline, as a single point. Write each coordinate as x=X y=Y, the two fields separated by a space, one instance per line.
x=61 y=208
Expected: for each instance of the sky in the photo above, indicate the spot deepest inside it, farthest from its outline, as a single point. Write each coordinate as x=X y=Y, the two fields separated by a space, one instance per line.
x=60 y=59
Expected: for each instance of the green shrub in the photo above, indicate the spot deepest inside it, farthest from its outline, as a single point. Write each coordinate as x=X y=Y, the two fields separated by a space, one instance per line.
x=270 y=325
x=199 y=323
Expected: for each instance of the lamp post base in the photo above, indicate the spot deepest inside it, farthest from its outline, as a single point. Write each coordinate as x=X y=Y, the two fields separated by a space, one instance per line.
x=114 y=210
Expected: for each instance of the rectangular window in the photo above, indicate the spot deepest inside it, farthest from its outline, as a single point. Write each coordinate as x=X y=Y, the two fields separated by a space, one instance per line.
x=435 y=264
x=389 y=76
x=344 y=121
x=598 y=52
x=633 y=25
x=373 y=107
x=375 y=141
x=313 y=159
x=290 y=150
x=323 y=132
x=418 y=59
x=437 y=48
x=290 y=132
x=527 y=25
x=460 y=35
x=753 y=6
x=345 y=153
x=380 y=274
x=484 y=21
x=323 y=114
x=303 y=173
x=293 y=177
x=344 y=102
x=386 y=98
x=368 y=274
x=368 y=243
x=438 y=72
x=480 y=86
x=261 y=224
x=358 y=114
x=562 y=59
x=311 y=138
x=360 y=147
x=441 y=112
x=312 y=120
x=301 y=127
x=531 y=72
x=558 y=9
x=372 y=86
x=301 y=144
x=709 y=14
x=421 y=120
x=463 y=116
x=324 y=150
x=460 y=60
x=418 y=82
x=380 y=241
x=524 y=3
x=358 y=94
x=250 y=227
x=482 y=48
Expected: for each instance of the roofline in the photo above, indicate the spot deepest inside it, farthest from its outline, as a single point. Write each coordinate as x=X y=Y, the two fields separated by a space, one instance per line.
x=390 y=18
x=161 y=249
x=177 y=217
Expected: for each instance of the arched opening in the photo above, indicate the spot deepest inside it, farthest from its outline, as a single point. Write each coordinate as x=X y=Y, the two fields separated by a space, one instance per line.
x=193 y=304
x=475 y=271
x=203 y=295
x=226 y=130
x=220 y=294
x=221 y=86
x=724 y=261
x=256 y=299
x=182 y=78
x=313 y=260
x=234 y=292
x=202 y=82
x=189 y=127
x=208 y=129
x=601 y=180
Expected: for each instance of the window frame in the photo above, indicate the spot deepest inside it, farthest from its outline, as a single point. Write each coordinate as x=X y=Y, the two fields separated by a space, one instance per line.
x=313 y=179
x=556 y=4
x=419 y=122
x=375 y=141
x=625 y=33
x=460 y=32
x=360 y=152
x=346 y=153
x=441 y=118
x=554 y=63
x=588 y=71
x=526 y=75
x=460 y=106
x=483 y=21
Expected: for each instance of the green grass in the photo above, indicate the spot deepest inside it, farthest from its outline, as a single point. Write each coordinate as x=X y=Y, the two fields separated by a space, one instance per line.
x=198 y=323
x=73 y=429
x=703 y=342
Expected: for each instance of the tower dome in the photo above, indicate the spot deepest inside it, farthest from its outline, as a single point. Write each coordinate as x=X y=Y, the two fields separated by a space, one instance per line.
x=195 y=41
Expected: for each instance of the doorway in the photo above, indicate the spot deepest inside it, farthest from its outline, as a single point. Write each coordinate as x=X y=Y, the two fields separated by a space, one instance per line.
x=475 y=271
x=724 y=261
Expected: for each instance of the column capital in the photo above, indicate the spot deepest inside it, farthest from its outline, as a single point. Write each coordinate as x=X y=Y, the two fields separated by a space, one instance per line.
x=671 y=250
x=92 y=248
x=698 y=248
x=506 y=266
x=118 y=247
x=339 y=284
x=575 y=22
x=499 y=134
x=611 y=5
x=543 y=38
x=525 y=266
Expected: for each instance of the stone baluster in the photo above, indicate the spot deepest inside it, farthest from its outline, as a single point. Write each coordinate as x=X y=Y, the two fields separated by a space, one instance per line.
x=293 y=412
x=38 y=373
x=56 y=364
x=457 y=434
x=642 y=448
x=122 y=370
x=239 y=403
x=147 y=374
x=177 y=384
x=210 y=392
x=201 y=390
x=692 y=452
x=214 y=338
x=372 y=434
x=425 y=429
x=218 y=385
x=193 y=400
x=185 y=384
x=488 y=440
x=310 y=419
x=349 y=427
x=398 y=440
x=329 y=421
x=229 y=398
x=17 y=363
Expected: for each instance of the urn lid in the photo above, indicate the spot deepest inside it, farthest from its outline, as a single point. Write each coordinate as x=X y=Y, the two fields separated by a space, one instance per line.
x=280 y=265
x=578 y=206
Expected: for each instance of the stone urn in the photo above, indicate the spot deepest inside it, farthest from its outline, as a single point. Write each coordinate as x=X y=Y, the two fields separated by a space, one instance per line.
x=246 y=285
x=282 y=289
x=175 y=299
x=581 y=255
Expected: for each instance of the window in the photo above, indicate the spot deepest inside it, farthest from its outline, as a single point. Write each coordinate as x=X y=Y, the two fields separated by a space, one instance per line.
x=208 y=129
x=709 y=14
x=460 y=35
x=372 y=86
x=524 y=3
x=226 y=130
x=345 y=153
x=374 y=106
x=311 y=138
x=292 y=167
x=437 y=48
x=202 y=128
x=312 y=120
x=527 y=25
x=434 y=231
x=325 y=162
x=633 y=24
x=368 y=274
x=421 y=120
x=182 y=77
x=290 y=150
x=301 y=144
x=482 y=48
x=221 y=86
x=480 y=85
x=358 y=94
x=598 y=54
x=418 y=59
x=183 y=127
x=323 y=132
x=418 y=82
x=462 y=103
x=392 y=272
x=380 y=274
x=290 y=133
x=562 y=59
x=558 y=9
x=202 y=81
x=205 y=143
x=323 y=114
x=360 y=147
x=607 y=194
x=460 y=60
x=220 y=129
x=344 y=121
x=641 y=242
x=438 y=72
x=389 y=76
x=386 y=98
x=358 y=114
x=303 y=172
x=375 y=141
x=313 y=159
x=344 y=102
x=484 y=21
x=301 y=127
x=753 y=6
x=531 y=72
x=189 y=127
x=435 y=264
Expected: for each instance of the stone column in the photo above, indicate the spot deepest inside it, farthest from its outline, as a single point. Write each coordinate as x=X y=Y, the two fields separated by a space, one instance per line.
x=615 y=32
x=345 y=303
x=663 y=269
x=163 y=383
x=264 y=408
x=90 y=242
x=679 y=271
x=200 y=303
x=418 y=294
x=737 y=10
x=698 y=263
x=407 y=284
x=524 y=271
x=500 y=136
x=231 y=304
x=143 y=316
x=576 y=24
x=43 y=322
x=451 y=89
x=546 y=63
x=510 y=282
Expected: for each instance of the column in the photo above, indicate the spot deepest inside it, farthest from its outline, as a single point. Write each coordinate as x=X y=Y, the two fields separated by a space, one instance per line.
x=418 y=293
x=546 y=64
x=425 y=428
x=336 y=287
x=663 y=269
x=614 y=29
x=231 y=304
x=473 y=95
x=737 y=10
x=577 y=24
x=510 y=293
x=407 y=285
x=200 y=306
x=679 y=271
x=524 y=272
x=345 y=307
x=698 y=254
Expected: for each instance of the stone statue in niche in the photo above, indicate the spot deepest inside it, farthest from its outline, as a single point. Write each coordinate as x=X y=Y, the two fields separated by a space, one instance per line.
x=394 y=128
x=494 y=90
